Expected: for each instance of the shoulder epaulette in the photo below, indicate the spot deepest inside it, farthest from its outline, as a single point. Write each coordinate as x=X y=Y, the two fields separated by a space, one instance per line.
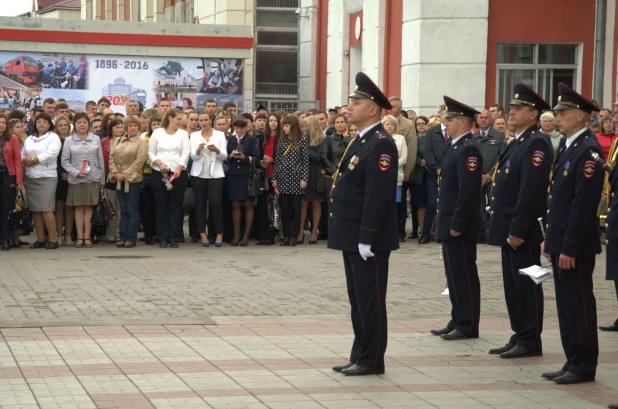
x=587 y=142
x=468 y=142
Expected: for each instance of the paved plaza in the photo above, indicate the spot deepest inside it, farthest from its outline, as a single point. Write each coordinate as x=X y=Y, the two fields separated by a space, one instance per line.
x=260 y=327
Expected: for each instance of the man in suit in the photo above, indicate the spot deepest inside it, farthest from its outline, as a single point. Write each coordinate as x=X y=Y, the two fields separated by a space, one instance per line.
x=491 y=143
x=436 y=141
x=572 y=241
x=518 y=199
x=362 y=223
x=458 y=221
x=407 y=129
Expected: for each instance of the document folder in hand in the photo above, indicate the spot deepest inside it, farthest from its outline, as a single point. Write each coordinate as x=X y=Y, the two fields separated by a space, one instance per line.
x=538 y=274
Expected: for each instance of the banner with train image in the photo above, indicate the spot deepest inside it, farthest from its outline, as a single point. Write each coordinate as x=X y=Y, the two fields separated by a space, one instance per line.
x=27 y=79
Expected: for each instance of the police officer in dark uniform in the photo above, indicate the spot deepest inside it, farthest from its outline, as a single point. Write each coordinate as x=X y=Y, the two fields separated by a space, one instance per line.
x=458 y=221
x=363 y=224
x=572 y=239
x=518 y=199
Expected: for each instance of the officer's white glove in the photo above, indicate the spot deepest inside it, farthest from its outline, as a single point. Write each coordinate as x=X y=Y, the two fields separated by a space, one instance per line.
x=365 y=251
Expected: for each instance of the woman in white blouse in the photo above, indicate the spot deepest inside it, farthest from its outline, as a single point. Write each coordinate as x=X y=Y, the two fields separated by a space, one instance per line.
x=389 y=123
x=39 y=156
x=168 y=152
x=208 y=151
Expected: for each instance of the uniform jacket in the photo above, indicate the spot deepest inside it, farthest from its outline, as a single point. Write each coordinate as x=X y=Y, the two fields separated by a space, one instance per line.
x=572 y=223
x=407 y=129
x=249 y=148
x=459 y=197
x=363 y=206
x=491 y=147
x=435 y=147
x=519 y=193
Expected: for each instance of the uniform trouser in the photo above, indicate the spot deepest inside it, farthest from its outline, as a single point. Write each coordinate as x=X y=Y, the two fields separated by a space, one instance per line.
x=577 y=315
x=485 y=193
x=432 y=203
x=464 y=287
x=323 y=225
x=366 y=282
x=168 y=204
x=524 y=298
x=7 y=203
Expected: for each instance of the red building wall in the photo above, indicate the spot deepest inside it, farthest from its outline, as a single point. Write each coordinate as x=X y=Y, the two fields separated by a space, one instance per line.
x=541 y=21
x=392 y=48
x=321 y=51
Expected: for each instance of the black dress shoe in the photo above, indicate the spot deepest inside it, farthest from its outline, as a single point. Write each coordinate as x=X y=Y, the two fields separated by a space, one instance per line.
x=570 y=378
x=269 y=242
x=340 y=368
x=38 y=245
x=612 y=327
x=520 y=352
x=149 y=241
x=293 y=241
x=413 y=236
x=6 y=246
x=259 y=243
x=357 y=370
x=163 y=245
x=442 y=331
x=497 y=351
x=174 y=245
x=285 y=242
x=424 y=240
x=613 y=406
x=552 y=375
x=52 y=245
x=453 y=335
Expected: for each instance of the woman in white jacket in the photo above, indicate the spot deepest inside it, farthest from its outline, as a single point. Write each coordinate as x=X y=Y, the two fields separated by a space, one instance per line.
x=208 y=151
x=39 y=156
x=389 y=123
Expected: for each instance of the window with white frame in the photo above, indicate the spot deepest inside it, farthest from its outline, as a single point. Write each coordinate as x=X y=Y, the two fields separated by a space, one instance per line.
x=540 y=66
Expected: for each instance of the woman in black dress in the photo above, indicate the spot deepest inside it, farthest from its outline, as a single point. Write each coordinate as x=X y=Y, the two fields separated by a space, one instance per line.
x=319 y=166
x=290 y=176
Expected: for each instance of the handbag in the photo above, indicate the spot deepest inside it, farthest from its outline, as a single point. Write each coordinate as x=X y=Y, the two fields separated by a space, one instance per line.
x=20 y=211
x=273 y=212
x=256 y=184
x=98 y=216
x=109 y=185
x=108 y=207
x=188 y=200
x=320 y=186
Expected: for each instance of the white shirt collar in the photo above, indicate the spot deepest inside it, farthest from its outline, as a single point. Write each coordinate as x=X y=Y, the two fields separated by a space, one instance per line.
x=517 y=135
x=443 y=127
x=570 y=140
x=454 y=141
x=364 y=131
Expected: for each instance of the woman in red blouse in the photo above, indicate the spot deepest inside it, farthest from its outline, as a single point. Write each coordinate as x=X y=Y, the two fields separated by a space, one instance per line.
x=11 y=178
x=607 y=135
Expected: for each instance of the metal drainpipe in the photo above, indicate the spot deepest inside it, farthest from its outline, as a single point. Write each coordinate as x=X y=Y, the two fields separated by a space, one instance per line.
x=599 y=50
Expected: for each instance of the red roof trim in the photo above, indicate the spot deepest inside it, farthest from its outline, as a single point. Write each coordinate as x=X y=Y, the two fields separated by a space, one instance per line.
x=46 y=36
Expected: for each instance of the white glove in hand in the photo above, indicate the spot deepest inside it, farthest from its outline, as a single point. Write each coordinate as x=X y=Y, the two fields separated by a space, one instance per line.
x=365 y=251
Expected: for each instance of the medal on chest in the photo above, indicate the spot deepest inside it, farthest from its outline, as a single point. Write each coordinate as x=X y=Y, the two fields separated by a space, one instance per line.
x=566 y=168
x=353 y=162
x=507 y=165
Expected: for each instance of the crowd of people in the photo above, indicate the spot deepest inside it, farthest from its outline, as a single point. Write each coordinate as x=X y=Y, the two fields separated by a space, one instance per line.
x=157 y=166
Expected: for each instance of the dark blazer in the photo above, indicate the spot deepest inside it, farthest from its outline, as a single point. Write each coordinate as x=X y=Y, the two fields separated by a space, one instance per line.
x=363 y=206
x=519 y=193
x=459 y=199
x=250 y=148
x=490 y=146
x=417 y=174
x=572 y=223
x=434 y=149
